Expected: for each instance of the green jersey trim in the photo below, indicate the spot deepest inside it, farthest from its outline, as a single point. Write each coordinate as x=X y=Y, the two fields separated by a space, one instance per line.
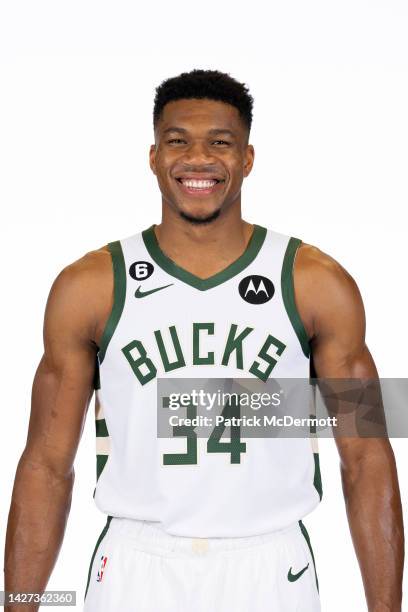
x=317 y=479
x=102 y=535
x=119 y=295
x=254 y=245
x=101 y=461
x=288 y=294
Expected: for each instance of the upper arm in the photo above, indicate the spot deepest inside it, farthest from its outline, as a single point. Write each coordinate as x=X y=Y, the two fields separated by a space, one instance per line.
x=332 y=309
x=63 y=383
x=331 y=306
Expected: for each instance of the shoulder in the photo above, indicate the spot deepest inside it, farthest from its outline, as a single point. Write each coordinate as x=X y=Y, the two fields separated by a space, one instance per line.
x=318 y=268
x=85 y=273
x=81 y=294
x=324 y=288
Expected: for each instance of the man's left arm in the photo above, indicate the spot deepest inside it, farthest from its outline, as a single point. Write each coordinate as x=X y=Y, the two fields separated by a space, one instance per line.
x=331 y=307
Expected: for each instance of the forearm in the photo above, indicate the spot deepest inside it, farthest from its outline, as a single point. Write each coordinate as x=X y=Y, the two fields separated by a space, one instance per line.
x=375 y=519
x=38 y=513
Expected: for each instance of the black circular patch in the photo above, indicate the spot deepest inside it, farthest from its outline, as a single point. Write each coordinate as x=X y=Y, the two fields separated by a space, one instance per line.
x=140 y=270
x=256 y=289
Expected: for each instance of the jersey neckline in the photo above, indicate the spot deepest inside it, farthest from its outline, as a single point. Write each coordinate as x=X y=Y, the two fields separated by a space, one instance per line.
x=168 y=265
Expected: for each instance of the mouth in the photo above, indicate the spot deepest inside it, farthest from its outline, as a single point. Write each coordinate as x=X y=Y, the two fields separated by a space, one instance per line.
x=195 y=186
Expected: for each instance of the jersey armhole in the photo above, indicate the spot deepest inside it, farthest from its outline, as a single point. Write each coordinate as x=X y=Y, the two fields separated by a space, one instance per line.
x=119 y=294
x=288 y=294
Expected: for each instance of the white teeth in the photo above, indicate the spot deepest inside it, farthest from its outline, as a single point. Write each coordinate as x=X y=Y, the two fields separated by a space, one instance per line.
x=196 y=184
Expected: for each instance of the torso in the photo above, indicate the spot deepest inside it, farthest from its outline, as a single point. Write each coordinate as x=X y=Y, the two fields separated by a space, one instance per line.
x=134 y=480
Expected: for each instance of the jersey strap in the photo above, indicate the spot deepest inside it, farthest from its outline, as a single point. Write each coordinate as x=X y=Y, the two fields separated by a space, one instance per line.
x=288 y=294
x=119 y=295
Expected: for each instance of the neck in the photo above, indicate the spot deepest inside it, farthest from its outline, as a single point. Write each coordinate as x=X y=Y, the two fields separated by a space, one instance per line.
x=203 y=249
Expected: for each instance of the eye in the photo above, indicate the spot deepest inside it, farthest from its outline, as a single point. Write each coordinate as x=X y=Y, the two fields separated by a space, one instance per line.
x=222 y=142
x=175 y=141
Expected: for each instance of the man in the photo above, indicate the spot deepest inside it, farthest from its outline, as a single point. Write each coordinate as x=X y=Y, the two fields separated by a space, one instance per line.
x=195 y=528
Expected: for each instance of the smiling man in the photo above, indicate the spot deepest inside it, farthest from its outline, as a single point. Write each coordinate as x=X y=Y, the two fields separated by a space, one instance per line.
x=195 y=523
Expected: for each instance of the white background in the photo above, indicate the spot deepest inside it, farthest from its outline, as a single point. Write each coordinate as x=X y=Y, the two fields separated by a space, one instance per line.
x=330 y=132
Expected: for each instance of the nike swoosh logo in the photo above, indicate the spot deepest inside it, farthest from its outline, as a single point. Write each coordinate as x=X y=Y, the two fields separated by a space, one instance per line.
x=294 y=577
x=141 y=294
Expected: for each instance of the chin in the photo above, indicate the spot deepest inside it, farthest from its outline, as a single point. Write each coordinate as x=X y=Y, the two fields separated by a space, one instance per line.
x=200 y=218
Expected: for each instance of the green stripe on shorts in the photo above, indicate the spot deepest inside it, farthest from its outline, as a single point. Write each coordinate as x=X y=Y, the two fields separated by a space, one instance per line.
x=102 y=535
x=307 y=538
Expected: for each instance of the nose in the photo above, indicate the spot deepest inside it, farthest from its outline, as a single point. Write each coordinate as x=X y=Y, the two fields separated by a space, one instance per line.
x=198 y=153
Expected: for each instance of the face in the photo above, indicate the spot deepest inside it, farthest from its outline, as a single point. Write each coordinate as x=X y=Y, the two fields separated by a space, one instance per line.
x=200 y=157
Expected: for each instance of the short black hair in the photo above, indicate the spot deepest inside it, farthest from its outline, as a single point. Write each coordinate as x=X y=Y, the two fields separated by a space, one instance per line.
x=204 y=84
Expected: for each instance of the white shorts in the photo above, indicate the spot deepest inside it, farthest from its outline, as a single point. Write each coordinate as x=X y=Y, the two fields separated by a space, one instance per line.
x=137 y=567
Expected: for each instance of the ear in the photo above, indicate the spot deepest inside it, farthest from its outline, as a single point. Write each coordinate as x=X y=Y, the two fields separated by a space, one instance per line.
x=152 y=158
x=249 y=159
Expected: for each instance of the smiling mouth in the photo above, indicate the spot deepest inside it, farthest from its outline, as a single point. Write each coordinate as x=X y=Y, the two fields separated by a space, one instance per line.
x=192 y=185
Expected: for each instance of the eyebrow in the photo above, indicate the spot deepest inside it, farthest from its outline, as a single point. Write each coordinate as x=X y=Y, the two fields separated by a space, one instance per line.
x=212 y=132
x=174 y=129
x=216 y=131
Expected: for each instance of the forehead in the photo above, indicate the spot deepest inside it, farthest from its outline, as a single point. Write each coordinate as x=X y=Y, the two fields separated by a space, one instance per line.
x=194 y=113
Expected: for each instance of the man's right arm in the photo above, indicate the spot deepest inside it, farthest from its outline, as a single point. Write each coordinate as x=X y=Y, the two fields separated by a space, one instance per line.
x=78 y=303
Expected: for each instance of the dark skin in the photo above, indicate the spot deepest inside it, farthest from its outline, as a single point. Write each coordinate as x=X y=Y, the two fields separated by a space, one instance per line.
x=202 y=234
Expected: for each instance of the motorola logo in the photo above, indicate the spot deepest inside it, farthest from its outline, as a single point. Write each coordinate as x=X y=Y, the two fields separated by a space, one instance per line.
x=256 y=289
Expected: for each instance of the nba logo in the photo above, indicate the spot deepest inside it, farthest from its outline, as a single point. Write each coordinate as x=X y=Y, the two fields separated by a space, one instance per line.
x=102 y=567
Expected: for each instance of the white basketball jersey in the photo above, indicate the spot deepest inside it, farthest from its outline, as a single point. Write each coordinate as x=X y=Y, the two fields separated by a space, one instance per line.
x=166 y=322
